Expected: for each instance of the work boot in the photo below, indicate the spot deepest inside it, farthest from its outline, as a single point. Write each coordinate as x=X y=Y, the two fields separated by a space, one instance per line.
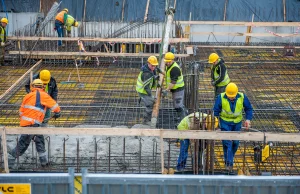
x=44 y=161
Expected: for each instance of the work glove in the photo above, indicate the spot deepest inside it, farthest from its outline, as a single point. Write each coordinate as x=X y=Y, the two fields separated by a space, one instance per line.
x=156 y=77
x=56 y=115
x=2 y=44
x=164 y=93
x=213 y=83
x=247 y=124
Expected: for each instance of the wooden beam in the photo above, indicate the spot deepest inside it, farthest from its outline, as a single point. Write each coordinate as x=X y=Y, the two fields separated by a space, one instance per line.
x=229 y=23
x=114 y=40
x=91 y=54
x=284 y=10
x=25 y=74
x=225 y=8
x=240 y=47
x=243 y=34
x=164 y=133
x=4 y=149
x=249 y=30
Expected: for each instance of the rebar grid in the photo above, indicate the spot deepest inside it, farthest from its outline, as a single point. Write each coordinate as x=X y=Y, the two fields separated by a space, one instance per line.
x=108 y=98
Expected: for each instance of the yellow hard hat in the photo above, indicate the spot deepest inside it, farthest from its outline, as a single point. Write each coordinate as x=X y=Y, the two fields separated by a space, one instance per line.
x=66 y=10
x=4 y=20
x=213 y=58
x=169 y=57
x=75 y=24
x=37 y=83
x=231 y=90
x=45 y=76
x=152 y=60
x=208 y=122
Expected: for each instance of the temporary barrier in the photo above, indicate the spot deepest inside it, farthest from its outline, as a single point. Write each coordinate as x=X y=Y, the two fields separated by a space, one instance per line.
x=183 y=184
x=37 y=183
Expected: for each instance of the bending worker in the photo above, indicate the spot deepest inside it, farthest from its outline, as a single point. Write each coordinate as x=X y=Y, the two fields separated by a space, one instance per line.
x=4 y=22
x=147 y=80
x=50 y=87
x=219 y=75
x=32 y=112
x=175 y=85
x=229 y=107
x=193 y=121
x=63 y=20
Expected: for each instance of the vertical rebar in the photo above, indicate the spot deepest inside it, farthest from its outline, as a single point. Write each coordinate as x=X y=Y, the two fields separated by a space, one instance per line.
x=95 y=155
x=77 y=154
x=140 y=154
x=124 y=169
x=109 y=144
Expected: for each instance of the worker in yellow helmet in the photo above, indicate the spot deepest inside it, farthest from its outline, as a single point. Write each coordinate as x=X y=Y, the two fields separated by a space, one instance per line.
x=50 y=87
x=229 y=107
x=219 y=74
x=175 y=85
x=194 y=121
x=4 y=22
x=147 y=80
x=64 y=21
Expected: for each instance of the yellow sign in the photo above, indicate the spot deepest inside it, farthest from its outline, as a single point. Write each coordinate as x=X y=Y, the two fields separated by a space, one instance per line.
x=77 y=185
x=15 y=188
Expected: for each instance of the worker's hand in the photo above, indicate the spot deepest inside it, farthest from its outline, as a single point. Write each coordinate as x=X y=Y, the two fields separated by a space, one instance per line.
x=247 y=124
x=164 y=93
x=156 y=77
x=213 y=83
x=2 y=44
x=56 y=115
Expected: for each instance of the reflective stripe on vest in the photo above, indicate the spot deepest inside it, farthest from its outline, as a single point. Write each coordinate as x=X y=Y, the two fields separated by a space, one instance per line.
x=179 y=82
x=34 y=108
x=54 y=107
x=227 y=114
x=30 y=120
x=140 y=85
x=226 y=79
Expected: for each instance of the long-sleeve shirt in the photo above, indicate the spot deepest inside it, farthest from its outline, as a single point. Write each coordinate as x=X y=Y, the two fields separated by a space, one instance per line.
x=221 y=70
x=246 y=104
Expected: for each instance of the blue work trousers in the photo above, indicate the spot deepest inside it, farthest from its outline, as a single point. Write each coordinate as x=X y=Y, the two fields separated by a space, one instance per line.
x=60 y=30
x=230 y=146
x=184 y=149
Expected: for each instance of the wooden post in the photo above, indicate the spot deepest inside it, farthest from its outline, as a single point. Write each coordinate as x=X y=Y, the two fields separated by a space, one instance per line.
x=249 y=30
x=284 y=10
x=162 y=153
x=4 y=149
x=83 y=19
x=225 y=8
x=146 y=12
x=175 y=4
x=123 y=9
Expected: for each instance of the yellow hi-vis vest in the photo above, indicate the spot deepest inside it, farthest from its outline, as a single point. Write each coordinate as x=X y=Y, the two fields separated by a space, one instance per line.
x=227 y=114
x=185 y=123
x=179 y=82
x=2 y=34
x=69 y=22
x=226 y=79
x=140 y=85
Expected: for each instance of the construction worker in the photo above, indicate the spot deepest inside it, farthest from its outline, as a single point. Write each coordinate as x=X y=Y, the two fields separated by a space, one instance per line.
x=219 y=75
x=193 y=121
x=64 y=20
x=175 y=85
x=147 y=80
x=4 y=22
x=229 y=106
x=32 y=112
x=50 y=88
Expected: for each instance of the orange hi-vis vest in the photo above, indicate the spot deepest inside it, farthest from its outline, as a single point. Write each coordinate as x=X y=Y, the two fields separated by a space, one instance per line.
x=60 y=16
x=34 y=106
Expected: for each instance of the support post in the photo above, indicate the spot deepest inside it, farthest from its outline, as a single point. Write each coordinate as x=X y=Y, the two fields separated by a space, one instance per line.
x=4 y=149
x=146 y=12
x=225 y=9
x=249 y=30
x=170 y=13
x=284 y=10
x=123 y=9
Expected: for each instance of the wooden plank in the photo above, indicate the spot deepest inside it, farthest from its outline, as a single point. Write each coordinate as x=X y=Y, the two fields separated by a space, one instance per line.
x=243 y=34
x=25 y=74
x=164 y=133
x=240 y=47
x=249 y=30
x=229 y=23
x=4 y=149
x=92 y=54
x=114 y=40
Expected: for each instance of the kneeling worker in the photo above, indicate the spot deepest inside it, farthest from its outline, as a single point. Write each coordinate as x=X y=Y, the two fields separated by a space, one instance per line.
x=32 y=114
x=193 y=121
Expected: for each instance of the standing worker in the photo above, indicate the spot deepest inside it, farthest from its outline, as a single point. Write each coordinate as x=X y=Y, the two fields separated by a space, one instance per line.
x=175 y=85
x=50 y=87
x=32 y=112
x=4 y=22
x=229 y=107
x=147 y=80
x=193 y=121
x=62 y=21
x=219 y=75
